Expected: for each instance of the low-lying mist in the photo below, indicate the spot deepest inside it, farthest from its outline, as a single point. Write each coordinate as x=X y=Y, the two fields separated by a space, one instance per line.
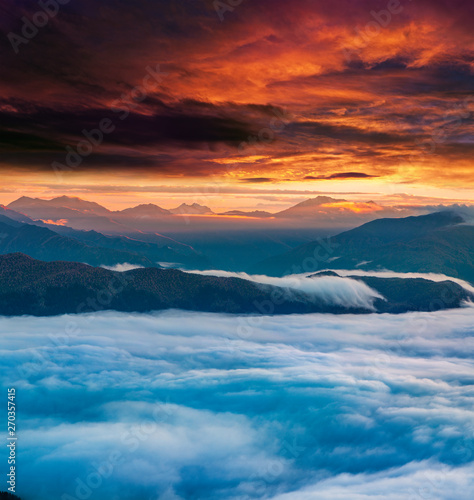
x=183 y=405
x=332 y=290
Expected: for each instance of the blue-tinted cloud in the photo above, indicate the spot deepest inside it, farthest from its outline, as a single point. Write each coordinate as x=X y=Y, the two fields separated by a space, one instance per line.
x=180 y=405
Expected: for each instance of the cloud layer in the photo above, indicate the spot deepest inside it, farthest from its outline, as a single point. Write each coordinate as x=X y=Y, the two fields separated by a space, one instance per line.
x=265 y=91
x=178 y=405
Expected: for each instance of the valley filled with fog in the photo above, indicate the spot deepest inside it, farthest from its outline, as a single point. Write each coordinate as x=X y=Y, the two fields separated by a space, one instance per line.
x=176 y=405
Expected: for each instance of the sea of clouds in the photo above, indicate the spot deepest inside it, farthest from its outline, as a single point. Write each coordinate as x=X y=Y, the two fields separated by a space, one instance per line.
x=179 y=405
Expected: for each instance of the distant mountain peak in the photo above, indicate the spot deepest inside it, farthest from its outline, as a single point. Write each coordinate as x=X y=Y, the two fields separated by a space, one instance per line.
x=194 y=209
x=78 y=203
x=319 y=200
x=71 y=202
x=325 y=199
x=24 y=200
x=145 y=210
x=306 y=208
x=66 y=198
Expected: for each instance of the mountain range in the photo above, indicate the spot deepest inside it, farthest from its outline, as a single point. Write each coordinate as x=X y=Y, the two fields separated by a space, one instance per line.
x=440 y=242
x=69 y=206
x=48 y=267
x=181 y=241
x=231 y=242
x=65 y=207
x=19 y=233
x=29 y=286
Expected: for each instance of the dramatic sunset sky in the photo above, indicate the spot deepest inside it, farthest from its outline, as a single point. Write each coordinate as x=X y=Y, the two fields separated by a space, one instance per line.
x=258 y=105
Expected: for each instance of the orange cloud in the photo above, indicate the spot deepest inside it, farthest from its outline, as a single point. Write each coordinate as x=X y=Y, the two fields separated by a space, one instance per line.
x=358 y=208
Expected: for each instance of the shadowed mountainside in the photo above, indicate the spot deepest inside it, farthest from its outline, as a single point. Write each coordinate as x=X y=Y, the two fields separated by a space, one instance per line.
x=401 y=294
x=42 y=243
x=46 y=242
x=29 y=286
x=437 y=243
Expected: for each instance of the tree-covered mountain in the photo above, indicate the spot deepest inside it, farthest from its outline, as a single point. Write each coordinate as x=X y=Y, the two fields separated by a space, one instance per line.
x=411 y=294
x=29 y=286
x=42 y=243
x=49 y=242
x=440 y=243
x=158 y=249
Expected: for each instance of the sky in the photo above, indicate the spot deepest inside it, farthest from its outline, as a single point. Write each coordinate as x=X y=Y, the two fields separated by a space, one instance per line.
x=249 y=104
x=210 y=406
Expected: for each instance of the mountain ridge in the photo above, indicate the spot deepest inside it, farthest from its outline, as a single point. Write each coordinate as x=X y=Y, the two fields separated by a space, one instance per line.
x=50 y=243
x=191 y=209
x=440 y=242
x=42 y=243
x=30 y=286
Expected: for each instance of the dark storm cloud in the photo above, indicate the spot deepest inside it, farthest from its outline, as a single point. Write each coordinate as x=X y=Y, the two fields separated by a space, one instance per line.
x=257 y=180
x=164 y=125
x=341 y=175
x=85 y=40
x=449 y=77
x=41 y=161
x=33 y=135
x=347 y=134
x=265 y=56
